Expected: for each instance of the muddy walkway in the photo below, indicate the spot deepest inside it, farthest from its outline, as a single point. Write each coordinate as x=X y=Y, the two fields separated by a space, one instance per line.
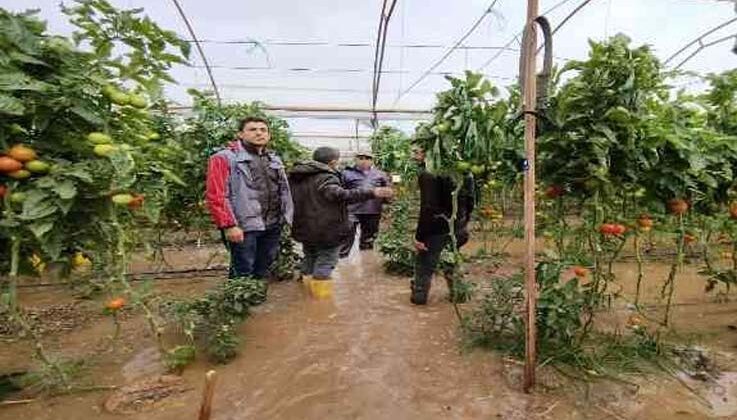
x=366 y=354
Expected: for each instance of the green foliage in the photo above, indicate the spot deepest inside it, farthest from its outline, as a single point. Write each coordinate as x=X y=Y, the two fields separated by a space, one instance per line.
x=499 y=321
x=212 y=320
x=468 y=128
x=148 y=51
x=62 y=89
x=396 y=242
x=392 y=151
x=287 y=262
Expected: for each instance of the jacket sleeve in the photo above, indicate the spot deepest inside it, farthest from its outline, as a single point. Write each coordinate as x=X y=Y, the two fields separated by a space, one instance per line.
x=216 y=192
x=426 y=184
x=332 y=190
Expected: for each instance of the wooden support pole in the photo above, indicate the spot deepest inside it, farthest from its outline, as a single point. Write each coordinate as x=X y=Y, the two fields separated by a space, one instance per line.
x=530 y=104
x=207 y=394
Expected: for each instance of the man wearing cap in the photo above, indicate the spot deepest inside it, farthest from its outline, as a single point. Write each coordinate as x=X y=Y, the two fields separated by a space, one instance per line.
x=321 y=220
x=367 y=214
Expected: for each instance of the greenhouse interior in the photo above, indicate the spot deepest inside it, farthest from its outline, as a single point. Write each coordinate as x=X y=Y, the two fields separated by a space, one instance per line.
x=390 y=209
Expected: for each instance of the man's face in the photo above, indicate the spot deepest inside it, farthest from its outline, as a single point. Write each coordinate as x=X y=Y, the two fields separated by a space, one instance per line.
x=364 y=162
x=255 y=133
x=418 y=154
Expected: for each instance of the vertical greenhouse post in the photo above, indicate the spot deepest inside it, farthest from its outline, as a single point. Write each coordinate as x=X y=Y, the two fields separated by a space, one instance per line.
x=530 y=103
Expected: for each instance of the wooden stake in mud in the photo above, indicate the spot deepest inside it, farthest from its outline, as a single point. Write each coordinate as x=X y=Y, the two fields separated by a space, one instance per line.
x=207 y=394
x=530 y=104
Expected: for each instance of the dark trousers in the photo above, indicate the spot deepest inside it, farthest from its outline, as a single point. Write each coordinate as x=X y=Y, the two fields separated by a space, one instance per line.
x=254 y=256
x=319 y=262
x=369 y=229
x=425 y=264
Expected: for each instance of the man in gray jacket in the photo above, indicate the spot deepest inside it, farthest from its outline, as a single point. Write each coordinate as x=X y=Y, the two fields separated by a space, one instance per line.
x=249 y=199
x=366 y=214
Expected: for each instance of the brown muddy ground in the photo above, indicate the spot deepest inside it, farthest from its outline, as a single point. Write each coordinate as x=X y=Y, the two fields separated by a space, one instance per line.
x=368 y=354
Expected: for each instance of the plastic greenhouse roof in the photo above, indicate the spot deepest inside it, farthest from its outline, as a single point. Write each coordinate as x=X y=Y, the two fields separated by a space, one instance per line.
x=319 y=53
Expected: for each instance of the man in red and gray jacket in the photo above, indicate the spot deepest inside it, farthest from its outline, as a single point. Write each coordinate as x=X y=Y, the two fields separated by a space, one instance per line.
x=249 y=199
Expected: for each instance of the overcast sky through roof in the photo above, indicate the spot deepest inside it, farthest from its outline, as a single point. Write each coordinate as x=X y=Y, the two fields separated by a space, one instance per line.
x=320 y=53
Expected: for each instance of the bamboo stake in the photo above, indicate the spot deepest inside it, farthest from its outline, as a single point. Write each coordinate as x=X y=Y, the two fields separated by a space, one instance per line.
x=530 y=104
x=207 y=393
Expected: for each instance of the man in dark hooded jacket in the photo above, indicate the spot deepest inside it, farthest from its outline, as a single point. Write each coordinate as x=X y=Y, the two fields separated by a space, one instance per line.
x=433 y=227
x=321 y=222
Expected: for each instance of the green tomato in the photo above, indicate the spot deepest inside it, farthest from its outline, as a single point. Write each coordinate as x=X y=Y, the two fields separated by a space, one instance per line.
x=37 y=166
x=99 y=138
x=17 y=197
x=463 y=166
x=104 y=150
x=19 y=174
x=478 y=169
x=138 y=101
x=122 y=199
x=110 y=90
x=640 y=192
x=120 y=98
x=154 y=136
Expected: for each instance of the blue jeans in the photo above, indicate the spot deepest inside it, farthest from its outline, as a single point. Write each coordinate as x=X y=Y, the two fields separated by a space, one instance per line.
x=319 y=262
x=254 y=256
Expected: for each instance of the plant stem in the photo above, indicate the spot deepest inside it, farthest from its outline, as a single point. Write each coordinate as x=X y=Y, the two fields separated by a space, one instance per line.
x=13 y=275
x=677 y=262
x=638 y=255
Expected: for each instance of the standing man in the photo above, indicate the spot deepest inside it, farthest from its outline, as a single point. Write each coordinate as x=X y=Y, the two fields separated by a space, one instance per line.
x=433 y=228
x=321 y=220
x=249 y=199
x=367 y=214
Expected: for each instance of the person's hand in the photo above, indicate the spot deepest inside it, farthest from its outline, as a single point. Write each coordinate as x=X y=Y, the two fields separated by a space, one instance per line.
x=234 y=234
x=420 y=246
x=383 y=192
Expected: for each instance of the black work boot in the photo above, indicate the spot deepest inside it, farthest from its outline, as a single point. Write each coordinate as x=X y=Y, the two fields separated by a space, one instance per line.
x=418 y=296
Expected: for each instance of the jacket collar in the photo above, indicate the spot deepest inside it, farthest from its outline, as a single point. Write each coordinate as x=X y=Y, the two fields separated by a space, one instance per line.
x=242 y=153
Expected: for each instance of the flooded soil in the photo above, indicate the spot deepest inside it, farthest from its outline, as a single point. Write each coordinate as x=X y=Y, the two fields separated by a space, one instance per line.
x=367 y=354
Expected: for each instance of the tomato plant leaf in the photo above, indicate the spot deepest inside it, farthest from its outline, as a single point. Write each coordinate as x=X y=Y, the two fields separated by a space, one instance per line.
x=66 y=190
x=41 y=228
x=10 y=105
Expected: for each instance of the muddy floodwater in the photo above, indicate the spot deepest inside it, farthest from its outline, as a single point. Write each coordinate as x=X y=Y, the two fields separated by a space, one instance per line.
x=369 y=354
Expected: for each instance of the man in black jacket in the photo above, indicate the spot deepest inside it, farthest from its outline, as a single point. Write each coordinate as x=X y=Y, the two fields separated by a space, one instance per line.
x=321 y=221
x=433 y=227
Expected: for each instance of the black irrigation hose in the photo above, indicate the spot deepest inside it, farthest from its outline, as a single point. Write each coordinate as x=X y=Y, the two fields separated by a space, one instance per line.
x=138 y=277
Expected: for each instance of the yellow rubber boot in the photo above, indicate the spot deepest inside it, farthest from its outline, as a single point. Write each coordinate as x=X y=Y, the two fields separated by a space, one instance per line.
x=321 y=288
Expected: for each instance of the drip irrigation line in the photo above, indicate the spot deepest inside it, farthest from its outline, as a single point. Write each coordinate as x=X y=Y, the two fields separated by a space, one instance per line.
x=199 y=49
x=455 y=46
x=145 y=276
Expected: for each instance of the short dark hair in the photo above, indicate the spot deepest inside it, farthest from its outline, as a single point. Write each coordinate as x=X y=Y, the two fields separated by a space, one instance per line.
x=325 y=154
x=251 y=119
